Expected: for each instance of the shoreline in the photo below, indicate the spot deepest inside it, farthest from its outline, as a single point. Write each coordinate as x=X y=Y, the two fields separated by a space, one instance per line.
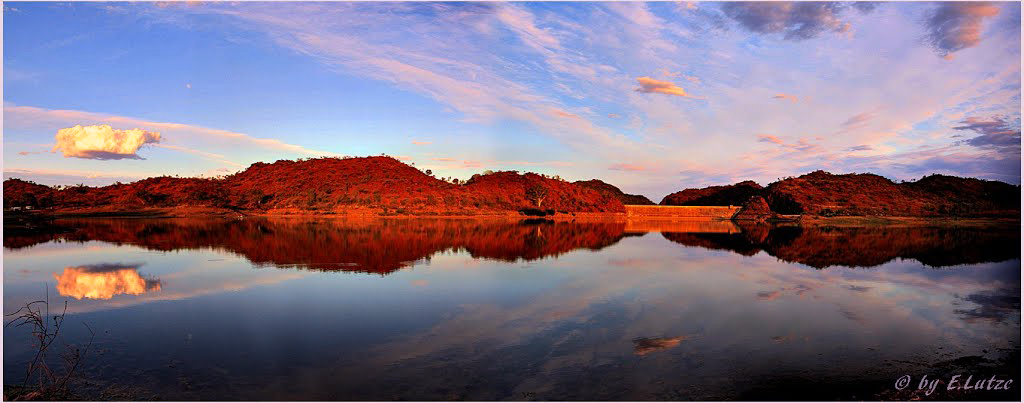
x=211 y=212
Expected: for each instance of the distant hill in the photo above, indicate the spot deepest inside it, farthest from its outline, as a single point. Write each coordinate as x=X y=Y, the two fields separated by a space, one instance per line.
x=728 y=195
x=825 y=194
x=601 y=186
x=374 y=184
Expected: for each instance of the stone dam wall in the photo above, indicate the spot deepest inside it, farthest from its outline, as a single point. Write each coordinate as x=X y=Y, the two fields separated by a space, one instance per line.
x=681 y=212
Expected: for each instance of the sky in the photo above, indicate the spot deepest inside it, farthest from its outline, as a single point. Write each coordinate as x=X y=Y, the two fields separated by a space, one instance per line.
x=651 y=97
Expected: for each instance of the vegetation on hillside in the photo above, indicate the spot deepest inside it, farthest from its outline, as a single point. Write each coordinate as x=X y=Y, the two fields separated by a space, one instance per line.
x=607 y=188
x=378 y=184
x=384 y=185
x=825 y=194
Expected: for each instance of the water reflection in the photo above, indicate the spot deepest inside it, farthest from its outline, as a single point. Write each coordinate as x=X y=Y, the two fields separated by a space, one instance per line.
x=825 y=246
x=384 y=246
x=103 y=281
x=513 y=311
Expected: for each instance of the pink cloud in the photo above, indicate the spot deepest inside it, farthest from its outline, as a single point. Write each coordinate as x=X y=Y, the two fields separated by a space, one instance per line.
x=532 y=163
x=802 y=145
x=767 y=138
x=564 y=114
x=857 y=121
x=953 y=26
x=421 y=143
x=627 y=167
x=788 y=97
x=650 y=85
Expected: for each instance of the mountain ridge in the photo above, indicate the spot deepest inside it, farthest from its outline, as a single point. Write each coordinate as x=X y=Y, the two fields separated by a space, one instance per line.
x=386 y=186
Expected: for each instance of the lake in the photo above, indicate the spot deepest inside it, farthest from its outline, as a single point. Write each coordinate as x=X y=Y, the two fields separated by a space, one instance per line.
x=436 y=309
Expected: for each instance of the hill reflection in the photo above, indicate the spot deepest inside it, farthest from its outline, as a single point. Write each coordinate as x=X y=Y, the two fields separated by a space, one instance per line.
x=384 y=246
x=372 y=246
x=826 y=246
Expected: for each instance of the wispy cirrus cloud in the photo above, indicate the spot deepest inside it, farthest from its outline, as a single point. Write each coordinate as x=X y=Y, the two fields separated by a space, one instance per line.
x=208 y=155
x=71 y=177
x=28 y=116
x=627 y=167
x=802 y=145
x=994 y=132
x=857 y=121
x=565 y=77
x=428 y=60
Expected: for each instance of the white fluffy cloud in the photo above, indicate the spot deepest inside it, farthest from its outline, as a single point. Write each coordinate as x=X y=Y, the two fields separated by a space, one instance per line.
x=102 y=142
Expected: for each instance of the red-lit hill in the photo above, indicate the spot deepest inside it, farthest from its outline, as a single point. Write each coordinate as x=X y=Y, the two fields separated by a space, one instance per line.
x=370 y=184
x=728 y=195
x=19 y=193
x=511 y=191
x=607 y=188
x=825 y=194
x=336 y=183
x=822 y=193
x=967 y=195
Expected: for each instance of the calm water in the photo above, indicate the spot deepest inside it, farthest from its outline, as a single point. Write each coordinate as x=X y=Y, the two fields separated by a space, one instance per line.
x=260 y=309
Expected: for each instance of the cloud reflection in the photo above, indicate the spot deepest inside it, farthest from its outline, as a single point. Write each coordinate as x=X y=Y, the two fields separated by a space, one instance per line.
x=103 y=281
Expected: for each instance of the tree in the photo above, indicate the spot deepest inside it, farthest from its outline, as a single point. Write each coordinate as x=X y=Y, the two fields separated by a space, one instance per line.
x=536 y=194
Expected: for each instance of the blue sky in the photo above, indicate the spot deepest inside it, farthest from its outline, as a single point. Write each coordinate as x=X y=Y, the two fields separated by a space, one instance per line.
x=651 y=97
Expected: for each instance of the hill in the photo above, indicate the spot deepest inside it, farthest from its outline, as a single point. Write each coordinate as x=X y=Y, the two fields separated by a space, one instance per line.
x=381 y=185
x=607 y=188
x=18 y=193
x=728 y=195
x=825 y=194
x=386 y=186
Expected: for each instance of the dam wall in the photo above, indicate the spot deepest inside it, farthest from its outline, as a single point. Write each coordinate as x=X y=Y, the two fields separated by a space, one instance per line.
x=697 y=213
